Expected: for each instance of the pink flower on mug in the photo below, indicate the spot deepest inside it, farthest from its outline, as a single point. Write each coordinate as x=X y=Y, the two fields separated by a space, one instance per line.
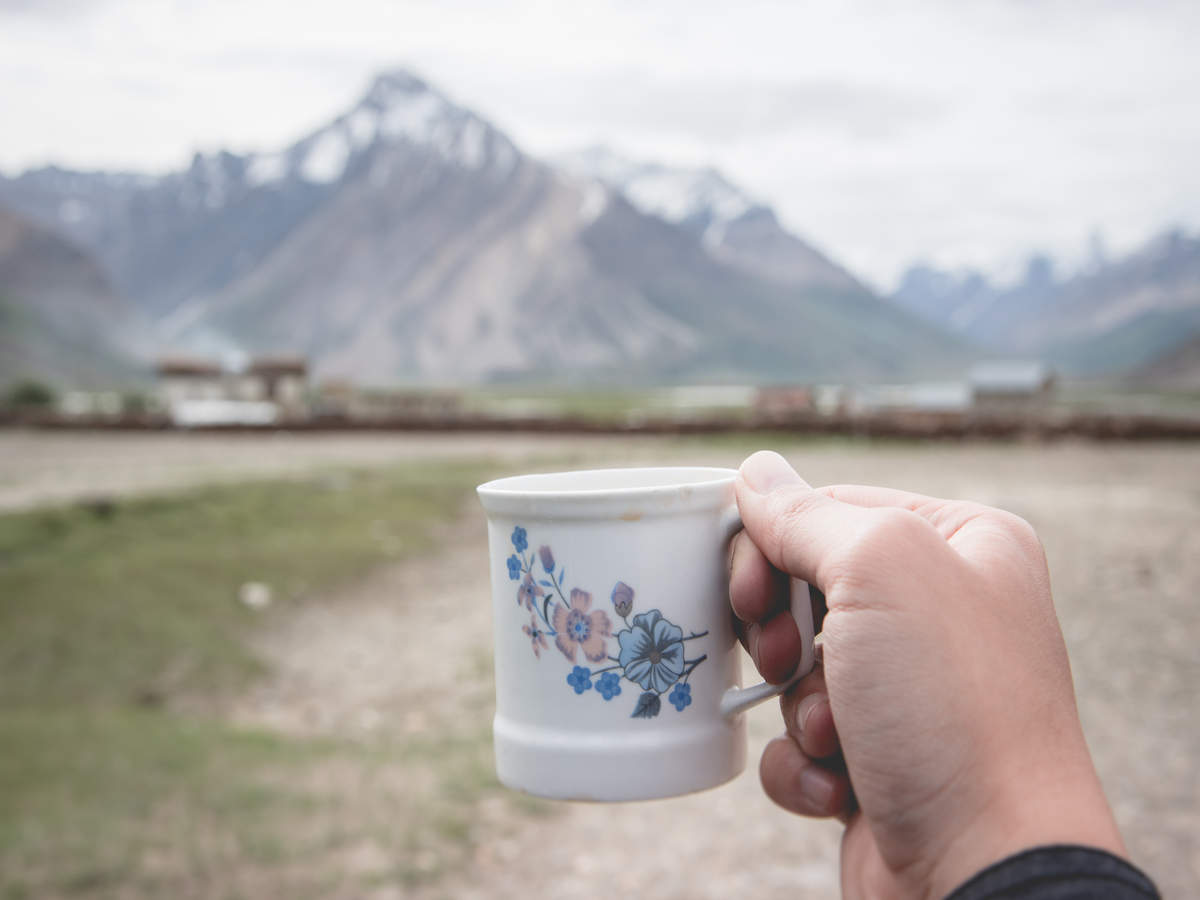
x=577 y=627
x=528 y=591
x=536 y=636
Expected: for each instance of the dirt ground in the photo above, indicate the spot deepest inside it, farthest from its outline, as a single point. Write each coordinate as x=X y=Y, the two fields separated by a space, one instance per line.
x=1120 y=526
x=39 y=467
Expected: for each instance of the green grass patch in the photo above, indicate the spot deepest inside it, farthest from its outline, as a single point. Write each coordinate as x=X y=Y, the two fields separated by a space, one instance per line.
x=143 y=803
x=119 y=600
x=109 y=609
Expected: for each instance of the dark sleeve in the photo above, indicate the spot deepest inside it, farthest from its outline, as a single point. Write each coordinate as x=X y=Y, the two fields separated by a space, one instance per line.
x=1059 y=873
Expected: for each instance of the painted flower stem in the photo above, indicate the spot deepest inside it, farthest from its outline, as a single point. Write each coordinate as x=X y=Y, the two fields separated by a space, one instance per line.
x=694 y=635
x=690 y=665
x=546 y=602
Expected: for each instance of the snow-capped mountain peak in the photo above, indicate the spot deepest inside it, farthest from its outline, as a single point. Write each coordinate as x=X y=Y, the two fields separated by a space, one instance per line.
x=694 y=196
x=397 y=108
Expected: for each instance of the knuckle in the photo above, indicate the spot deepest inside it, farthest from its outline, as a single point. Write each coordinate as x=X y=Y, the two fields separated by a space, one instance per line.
x=889 y=528
x=887 y=534
x=890 y=524
x=1020 y=529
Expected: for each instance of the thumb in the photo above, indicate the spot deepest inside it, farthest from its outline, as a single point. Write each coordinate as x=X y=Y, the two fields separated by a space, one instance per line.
x=797 y=529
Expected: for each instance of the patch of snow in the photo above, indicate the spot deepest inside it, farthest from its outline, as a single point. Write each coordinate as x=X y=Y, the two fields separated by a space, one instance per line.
x=412 y=116
x=725 y=201
x=396 y=87
x=407 y=110
x=326 y=158
x=266 y=169
x=662 y=193
x=595 y=201
x=676 y=195
x=362 y=124
x=600 y=162
x=208 y=177
x=671 y=194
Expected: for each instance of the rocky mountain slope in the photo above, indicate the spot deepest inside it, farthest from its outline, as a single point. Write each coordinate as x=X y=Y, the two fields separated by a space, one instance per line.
x=1179 y=368
x=1114 y=316
x=59 y=317
x=409 y=239
x=733 y=226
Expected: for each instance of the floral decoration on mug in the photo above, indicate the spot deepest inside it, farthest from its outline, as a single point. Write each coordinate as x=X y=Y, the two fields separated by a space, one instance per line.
x=651 y=650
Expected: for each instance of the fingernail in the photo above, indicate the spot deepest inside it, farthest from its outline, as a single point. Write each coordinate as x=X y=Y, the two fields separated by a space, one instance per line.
x=806 y=706
x=767 y=470
x=816 y=787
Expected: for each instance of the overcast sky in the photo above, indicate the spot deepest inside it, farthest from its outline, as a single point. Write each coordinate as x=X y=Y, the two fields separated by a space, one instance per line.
x=963 y=132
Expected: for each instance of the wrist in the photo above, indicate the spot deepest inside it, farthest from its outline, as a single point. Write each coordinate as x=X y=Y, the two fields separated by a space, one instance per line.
x=1024 y=811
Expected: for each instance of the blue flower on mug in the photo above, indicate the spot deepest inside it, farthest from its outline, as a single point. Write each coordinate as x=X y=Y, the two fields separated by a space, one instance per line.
x=681 y=696
x=609 y=685
x=651 y=649
x=518 y=539
x=580 y=679
x=652 y=652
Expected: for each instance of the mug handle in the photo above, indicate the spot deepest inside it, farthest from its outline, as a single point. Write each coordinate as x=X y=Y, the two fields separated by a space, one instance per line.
x=738 y=700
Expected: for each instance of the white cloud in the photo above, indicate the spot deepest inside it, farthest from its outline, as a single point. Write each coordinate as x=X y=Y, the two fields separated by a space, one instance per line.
x=967 y=133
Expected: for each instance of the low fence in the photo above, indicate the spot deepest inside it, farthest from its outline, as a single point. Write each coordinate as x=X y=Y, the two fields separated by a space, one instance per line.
x=990 y=426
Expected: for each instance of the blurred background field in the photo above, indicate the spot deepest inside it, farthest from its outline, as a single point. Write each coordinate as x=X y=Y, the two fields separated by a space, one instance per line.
x=281 y=682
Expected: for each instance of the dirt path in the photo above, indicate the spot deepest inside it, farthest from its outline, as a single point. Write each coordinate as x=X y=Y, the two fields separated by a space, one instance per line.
x=1119 y=526
x=371 y=660
x=373 y=656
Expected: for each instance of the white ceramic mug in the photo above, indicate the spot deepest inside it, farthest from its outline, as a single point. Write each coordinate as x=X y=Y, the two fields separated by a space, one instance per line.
x=617 y=676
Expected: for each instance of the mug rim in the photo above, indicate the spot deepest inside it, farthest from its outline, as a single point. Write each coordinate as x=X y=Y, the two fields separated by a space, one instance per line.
x=647 y=491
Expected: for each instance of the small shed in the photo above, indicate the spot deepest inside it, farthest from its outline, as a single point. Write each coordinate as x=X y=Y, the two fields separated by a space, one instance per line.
x=783 y=401
x=279 y=379
x=934 y=397
x=1011 y=384
x=182 y=379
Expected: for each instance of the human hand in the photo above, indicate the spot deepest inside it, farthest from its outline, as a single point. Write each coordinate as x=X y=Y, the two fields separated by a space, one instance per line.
x=941 y=727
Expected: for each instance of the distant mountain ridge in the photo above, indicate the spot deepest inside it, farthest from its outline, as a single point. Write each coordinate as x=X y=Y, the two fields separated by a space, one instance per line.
x=733 y=226
x=1116 y=315
x=59 y=317
x=1179 y=368
x=409 y=239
